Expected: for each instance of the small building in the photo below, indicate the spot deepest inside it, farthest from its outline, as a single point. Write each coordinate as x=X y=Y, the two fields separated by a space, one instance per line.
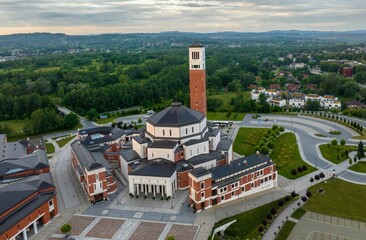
x=296 y=102
x=293 y=87
x=279 y=102
x=311 y=87
x=355 y=104
x=272 y=93
x=242 y=177
x=275 y=86
x=347 y=72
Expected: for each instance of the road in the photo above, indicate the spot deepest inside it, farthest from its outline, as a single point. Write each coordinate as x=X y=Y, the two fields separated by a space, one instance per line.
x=304 y=129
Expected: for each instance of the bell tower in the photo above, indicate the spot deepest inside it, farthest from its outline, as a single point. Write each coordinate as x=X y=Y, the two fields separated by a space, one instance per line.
x=197 y=77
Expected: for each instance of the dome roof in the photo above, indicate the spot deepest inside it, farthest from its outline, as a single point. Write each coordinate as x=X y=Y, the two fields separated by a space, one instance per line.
x=176 y=115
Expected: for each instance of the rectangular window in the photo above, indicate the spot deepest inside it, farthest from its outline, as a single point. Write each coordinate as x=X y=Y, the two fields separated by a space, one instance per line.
x=270 y=177
x=252 y=185
x=170 y=132
x=50 y=203
x=202 y=185
x=233 y=193
x=192 y=129
x=242 y=189
x=100 y=184
x=222 y=198
x=163 y=132
x=202 y=194
x=97 y=176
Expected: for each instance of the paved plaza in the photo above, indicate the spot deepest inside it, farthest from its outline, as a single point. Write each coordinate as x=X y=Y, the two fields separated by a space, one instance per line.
x=314 y=226
x=93 y=228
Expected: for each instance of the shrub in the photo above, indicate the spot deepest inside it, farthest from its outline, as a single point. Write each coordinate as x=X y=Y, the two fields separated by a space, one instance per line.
x=288 y=198
x=66 y=228
x=304 y=199
x=274 y=127
x=299 y=169
x=153 y=197
x=273 y=211
x=308 y=194
x=270 y=144
x=304 y=167
x=281 y=203
x=137 y=196
x=328 y=145
x=334 y=142
x=277 y=132
x=161 y=198
x=317 y=177
x=294 y=172
x=145 y=196
x=170 y=238
x=282 y=129
x=260 y=229
x=269 y=216
x=311 y=179
x=264 y=150
x=293 y=194
x=350 y=161
x=321 y=175
x=342 y=142
x=264 y=222
x=131 y=195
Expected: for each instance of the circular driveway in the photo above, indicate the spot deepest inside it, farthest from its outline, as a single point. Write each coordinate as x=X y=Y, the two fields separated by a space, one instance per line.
x=305 y=129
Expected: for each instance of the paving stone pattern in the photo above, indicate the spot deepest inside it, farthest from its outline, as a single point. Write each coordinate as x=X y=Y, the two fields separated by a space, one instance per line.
x=105 y=228
x=183 y=232
x=148 y=231
x=78 y=224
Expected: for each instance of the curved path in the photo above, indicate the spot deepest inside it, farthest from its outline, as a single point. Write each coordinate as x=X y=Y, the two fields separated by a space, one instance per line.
x=304 y=128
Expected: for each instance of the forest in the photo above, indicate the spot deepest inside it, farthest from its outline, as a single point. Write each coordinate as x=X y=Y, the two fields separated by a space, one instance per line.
x=152 y=78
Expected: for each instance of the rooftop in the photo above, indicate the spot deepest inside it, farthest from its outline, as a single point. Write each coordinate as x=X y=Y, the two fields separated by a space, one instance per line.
x=156 y=168
x=176 y=115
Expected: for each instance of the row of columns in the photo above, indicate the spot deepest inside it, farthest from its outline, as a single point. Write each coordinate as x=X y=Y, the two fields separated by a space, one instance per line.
x=35 y=229
x=149 y=188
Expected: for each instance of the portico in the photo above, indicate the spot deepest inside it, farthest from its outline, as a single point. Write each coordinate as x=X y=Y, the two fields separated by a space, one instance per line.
x=149 y=182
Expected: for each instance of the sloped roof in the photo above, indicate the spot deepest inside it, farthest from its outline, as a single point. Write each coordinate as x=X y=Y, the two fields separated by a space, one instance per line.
x=156 y=168
x=176 y=115
x=196 y=44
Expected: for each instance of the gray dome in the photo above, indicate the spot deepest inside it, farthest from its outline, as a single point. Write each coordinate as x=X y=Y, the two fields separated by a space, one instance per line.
x=176 y=115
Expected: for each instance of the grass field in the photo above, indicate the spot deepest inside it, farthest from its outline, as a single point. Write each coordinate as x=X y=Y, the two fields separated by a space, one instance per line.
x=247 y=139
x=15 y=125
x=223 y=116
x=247 y=223
x=359 y=167
x=105 y=120
x=65 y=140
x=298 y=213
x=50 y=148
x=287 y=157
x=226 y=97
x=334 y=153
x=340 y=199
x=286 y=230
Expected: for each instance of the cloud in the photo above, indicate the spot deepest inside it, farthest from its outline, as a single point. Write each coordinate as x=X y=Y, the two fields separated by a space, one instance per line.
x=95 y=16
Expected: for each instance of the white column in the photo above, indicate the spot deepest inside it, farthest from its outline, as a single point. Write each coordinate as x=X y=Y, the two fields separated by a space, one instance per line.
x=25 y=237
x=138 y=189
x=35 y=227
x=153 y=190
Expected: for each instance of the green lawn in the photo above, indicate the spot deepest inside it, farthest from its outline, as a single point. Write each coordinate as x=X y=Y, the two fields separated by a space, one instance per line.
x=223 y=116
x=334 y=153
x=50 y=148
x=286 y=230
x=226 y=97
x=340 y=199
x=15 y=125
x=287 y=157
x=247 y=139
x=359 y=167
x=247 y=223
x=65 y=140
x=298 y=213
x=106 y=120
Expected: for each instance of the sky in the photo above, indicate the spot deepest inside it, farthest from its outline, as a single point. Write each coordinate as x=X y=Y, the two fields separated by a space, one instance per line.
x=121 y=16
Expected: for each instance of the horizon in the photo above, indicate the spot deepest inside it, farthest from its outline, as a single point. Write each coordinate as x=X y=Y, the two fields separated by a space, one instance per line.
x=153 y=16
x=189 y=32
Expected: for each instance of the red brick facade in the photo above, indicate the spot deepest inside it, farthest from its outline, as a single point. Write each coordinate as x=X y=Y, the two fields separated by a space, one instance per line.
x=197 y=86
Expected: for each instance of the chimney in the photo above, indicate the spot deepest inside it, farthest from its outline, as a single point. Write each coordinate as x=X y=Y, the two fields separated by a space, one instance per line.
x=257 y=152
x=245 y=162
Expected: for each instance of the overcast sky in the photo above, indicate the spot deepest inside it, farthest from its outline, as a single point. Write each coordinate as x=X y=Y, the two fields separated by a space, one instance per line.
x=111 y=16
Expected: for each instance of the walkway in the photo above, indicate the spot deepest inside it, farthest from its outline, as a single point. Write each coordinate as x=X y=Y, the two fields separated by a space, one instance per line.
x=318 y=226
x=307 y=140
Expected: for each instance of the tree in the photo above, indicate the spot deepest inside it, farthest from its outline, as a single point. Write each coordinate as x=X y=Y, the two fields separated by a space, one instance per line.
x=343 y=142
x=264 y=150
x=334 y=142
x=92 y=114
x=139 y=121
x=66 y=228
x=361 y=149
x=70 y=120
x=170 y=238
